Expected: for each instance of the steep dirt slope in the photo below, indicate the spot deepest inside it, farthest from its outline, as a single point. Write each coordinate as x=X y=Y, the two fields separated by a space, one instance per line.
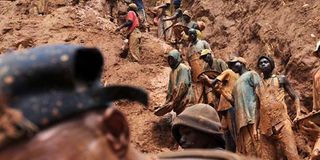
x=285 y=29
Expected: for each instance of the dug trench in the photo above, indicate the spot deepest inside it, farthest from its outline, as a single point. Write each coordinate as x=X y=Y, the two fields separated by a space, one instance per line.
x=284 y=29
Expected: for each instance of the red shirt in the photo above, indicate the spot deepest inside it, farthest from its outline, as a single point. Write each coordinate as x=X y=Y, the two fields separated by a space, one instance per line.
x=132 y=16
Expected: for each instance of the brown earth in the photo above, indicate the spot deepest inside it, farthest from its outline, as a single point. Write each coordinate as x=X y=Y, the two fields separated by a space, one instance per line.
x=285 y=29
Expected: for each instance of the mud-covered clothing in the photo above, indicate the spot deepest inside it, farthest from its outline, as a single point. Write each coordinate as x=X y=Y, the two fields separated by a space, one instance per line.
x=316 y=150
x=228 y=79
x=227 y=113
x=134 y=45
x=178 y=76
x=273 y=109
x=316 y=90
x=202 y=154
x=283 y=135
x=245 y=98
x=218 y=65
x=42 y=6
x=275 y=124
x=197 y=47
x=246 y=144
x=132 y=16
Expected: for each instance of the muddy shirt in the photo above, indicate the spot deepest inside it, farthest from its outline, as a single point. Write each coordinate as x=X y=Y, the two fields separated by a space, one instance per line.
x=245 y=98
x=218 y=65
x=316 y=90
x=181 y=74
x=198 y=47
x=166 y=10
x=228 y=79
x=273 y=109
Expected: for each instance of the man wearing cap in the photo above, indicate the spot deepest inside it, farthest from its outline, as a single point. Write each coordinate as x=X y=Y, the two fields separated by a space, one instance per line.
x=193 y=56
x=245 y=100
x=223 y=84
x=180 y=93
x=274 y=121
x=211 y=63
x=132 y=43
x=215 y=65
x=198 y=127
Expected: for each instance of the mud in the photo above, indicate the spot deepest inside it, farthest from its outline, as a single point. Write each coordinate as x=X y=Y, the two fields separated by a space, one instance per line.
x=285 y=29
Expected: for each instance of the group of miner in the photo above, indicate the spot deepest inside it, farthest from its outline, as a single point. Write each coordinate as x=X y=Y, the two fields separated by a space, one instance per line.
x=224 y=104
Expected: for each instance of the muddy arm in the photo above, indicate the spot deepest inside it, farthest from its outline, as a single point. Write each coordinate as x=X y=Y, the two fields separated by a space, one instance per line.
x=293 y=95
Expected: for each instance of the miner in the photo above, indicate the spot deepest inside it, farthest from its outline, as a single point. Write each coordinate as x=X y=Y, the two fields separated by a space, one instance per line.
x=215 y=66
x=316 y=82
x=133 y=37
x=245 y=100
x=223 y=84
x=180 y=93
x=164 y=9
x=193 y=56
x=274 y=122
x=198 y=126
x=198 y=131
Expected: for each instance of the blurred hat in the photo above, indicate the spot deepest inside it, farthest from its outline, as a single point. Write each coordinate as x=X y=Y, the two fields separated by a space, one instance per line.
x=187 y=13
x=205 y=52
x=133 y=6
x=238 y=59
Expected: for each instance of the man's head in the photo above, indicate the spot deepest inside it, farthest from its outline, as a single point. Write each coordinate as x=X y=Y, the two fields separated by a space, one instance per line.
x=266 y=64
x=317 y=49
x=132 y=7
x=186 y=16
x=176 y=4
x=206 y=55
x=237 y=64
x=198 y=126
x=174 y=59
x=192 y=34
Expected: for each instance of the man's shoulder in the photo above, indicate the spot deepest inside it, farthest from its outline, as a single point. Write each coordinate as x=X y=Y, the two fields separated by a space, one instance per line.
x=183 y=66
x=201 y=154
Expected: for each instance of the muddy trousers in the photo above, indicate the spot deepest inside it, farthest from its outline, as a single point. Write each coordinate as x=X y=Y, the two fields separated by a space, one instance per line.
x=163 y=31
x=316 y=150
x=42 y=6
x=246 y=144
x=198 y=92
x=228 y=125
x=282 y=135
x=134 y=45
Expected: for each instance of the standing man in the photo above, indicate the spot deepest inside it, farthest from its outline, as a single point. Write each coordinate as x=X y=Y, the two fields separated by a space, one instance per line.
x=133 y=33
x=316 y=82
x=164 y=8
x=197 y=65
x=180 y=93
x=217 y=66
x=211 y=63
x=245 y=100
x=274 y=122
x=224 y=84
